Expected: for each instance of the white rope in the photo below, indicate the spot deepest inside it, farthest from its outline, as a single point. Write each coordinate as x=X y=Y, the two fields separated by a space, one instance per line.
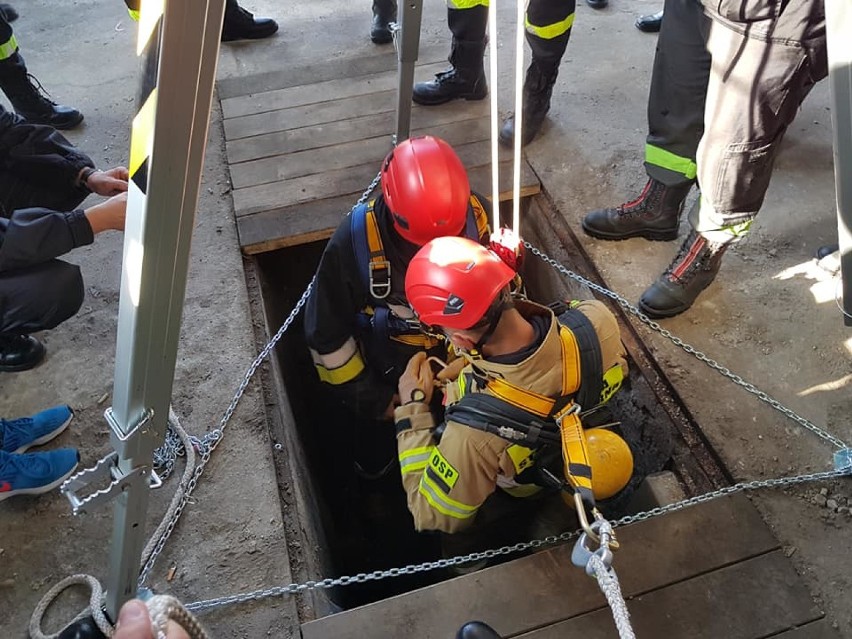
x=608 y=582
x=95 y=608
x=495 y=115
x=519 y=118
x=165 y=608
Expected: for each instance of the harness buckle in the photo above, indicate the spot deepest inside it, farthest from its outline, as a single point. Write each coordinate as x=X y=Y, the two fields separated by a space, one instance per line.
x=379 y=289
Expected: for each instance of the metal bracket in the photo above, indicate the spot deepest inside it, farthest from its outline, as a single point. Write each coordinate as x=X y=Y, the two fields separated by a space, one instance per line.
x=106 y=468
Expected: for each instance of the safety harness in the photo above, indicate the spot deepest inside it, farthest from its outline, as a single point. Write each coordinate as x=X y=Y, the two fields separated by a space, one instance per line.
x=538 y=425
x=375 y=271
x=373 y=265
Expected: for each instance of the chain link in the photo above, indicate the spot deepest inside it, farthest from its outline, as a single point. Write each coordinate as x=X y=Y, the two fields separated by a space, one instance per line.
x=376 y=575
x=172 y=447
x=691 y=350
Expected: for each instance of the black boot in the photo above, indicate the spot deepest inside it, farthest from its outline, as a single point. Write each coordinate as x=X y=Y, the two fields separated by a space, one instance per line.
x=19 y=352
x=477 y=630
x=240 y=24
x=29 y=98
x=8 y=12
x=650 y=23
x=466 y=78
x=691 y=271
x=538 y=87
x=384 y=12
x=654 y=215
x=597 y=4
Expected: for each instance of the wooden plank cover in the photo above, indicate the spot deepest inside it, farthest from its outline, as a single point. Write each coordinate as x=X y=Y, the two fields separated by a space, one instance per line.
x=315 y=220
x=301 y=154
x=545 y=588
x=755 y=598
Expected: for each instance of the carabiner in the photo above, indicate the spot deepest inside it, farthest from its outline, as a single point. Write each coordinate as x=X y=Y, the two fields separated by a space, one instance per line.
x=581 y=554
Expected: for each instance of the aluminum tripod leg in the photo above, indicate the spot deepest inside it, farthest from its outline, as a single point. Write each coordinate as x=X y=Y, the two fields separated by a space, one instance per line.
x=167 y=150
x=408 y=47
x=839 y=27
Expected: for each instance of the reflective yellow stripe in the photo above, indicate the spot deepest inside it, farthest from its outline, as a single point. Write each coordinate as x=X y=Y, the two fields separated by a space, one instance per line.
x=550 y=31
x=342 y=374
x=442 y=503
x=134 y=14
x=668 y=160
x=522 y=490
x=575 y=453
x=415 y=459
x=142 y=134
x=570 y=361
x=738 y=230
x=8 y=48
x=466 y=4
x=480 y=216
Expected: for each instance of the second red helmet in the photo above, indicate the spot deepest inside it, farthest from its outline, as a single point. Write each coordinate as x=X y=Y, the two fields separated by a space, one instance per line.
x=452 y=282
x=426 y=189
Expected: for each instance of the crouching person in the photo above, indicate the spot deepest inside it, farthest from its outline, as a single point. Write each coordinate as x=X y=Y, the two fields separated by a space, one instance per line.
x=512 y=415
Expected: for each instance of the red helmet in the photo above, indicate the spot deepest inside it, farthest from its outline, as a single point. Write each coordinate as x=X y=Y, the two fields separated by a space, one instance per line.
x=452 y=282
x=426 y=189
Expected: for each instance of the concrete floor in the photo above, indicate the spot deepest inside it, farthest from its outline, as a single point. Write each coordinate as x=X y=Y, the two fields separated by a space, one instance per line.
x=767 y=317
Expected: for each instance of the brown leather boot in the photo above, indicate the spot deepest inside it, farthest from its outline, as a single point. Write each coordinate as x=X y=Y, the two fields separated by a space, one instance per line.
x=654 y=215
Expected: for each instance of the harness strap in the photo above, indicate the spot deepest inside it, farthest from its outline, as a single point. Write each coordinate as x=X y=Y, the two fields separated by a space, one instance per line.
x=591 y=361
x=369 y=251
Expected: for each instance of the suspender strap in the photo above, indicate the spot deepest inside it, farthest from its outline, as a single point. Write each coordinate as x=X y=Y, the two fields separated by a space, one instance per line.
x=369 y=253
x=589 y=348
x=477 y=220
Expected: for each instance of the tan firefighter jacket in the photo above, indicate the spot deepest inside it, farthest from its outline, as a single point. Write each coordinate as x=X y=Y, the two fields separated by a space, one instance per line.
x=447 y=482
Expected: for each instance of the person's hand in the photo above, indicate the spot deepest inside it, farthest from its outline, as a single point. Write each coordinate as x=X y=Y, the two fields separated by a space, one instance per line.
x=388 y=414
x=109 y=182
x=450 y=372
x=134 y=622
x=418 y=374
x=108 y=215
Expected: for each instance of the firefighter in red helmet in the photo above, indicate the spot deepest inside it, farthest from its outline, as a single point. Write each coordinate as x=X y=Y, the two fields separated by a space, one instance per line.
x=358 y=325
x=529 y=374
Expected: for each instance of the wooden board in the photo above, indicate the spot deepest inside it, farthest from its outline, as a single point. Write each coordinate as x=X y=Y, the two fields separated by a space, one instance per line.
x=271 y=229
x=301 y=153
x=731 y=602
x=288 y=75
x=662 y=554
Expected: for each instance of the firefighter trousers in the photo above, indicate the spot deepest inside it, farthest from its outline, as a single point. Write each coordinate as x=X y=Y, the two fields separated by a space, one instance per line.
x=548 y=25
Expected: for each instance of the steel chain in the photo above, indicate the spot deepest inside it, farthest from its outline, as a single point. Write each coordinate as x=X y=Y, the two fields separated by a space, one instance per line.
x=167 y=453
x=297 y=588
x=739 y=381
x=210 y=441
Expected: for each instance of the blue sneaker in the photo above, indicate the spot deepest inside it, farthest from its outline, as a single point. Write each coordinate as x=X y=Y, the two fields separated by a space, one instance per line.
x=17 y=435
x=35 y=473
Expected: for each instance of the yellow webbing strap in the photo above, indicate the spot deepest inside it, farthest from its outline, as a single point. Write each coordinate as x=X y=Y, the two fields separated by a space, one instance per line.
x=542 y=405
x=480 y=216
x=575 y=452
x=378 y=263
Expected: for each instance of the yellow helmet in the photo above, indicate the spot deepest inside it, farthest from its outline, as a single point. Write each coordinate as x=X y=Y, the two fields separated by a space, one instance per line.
x=611 y=462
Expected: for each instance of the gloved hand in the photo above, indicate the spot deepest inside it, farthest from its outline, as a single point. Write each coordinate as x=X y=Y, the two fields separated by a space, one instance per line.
x=451 y=372
x=417 y=375
x=508 y=246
